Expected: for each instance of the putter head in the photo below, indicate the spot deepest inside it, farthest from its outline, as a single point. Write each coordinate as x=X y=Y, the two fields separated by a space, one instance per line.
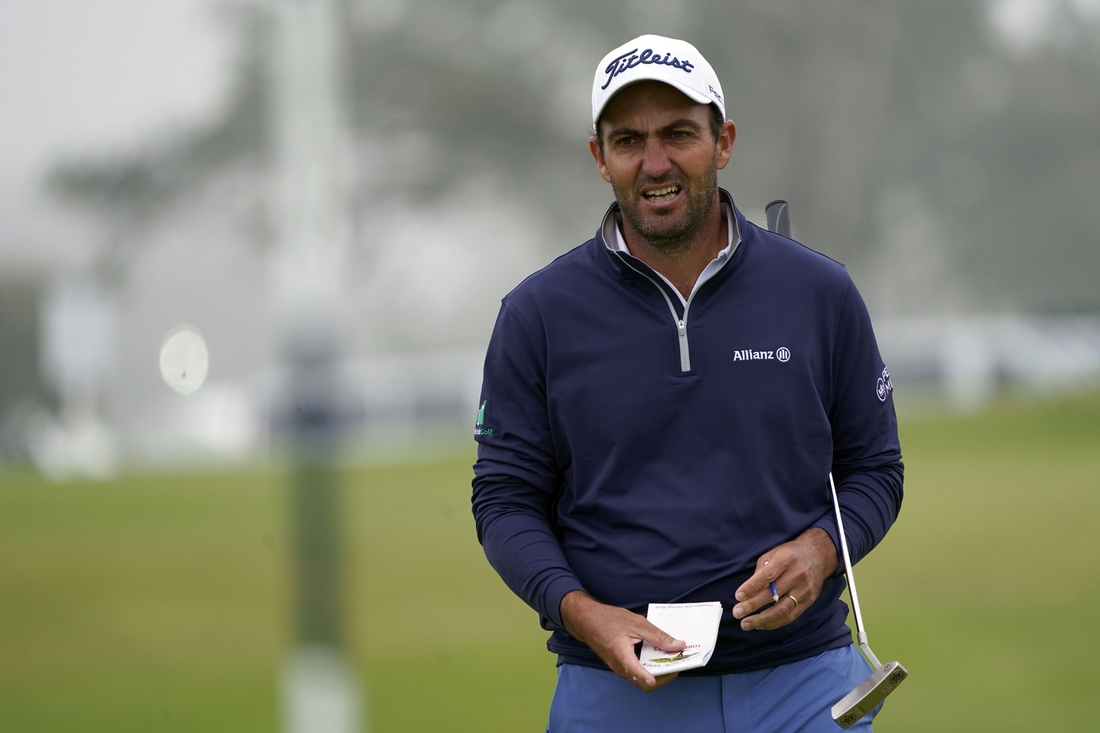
x=868 y=694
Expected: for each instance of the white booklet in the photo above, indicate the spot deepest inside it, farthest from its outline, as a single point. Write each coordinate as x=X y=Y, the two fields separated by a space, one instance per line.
x=694 y=623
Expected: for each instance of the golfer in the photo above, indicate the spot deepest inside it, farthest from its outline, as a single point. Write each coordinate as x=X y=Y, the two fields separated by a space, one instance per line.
x=660 y=411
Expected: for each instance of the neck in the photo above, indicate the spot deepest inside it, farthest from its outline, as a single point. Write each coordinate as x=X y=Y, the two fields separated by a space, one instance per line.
x=684 y=260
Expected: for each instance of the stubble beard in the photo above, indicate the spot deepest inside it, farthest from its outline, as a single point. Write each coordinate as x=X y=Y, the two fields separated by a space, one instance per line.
x=673 y=236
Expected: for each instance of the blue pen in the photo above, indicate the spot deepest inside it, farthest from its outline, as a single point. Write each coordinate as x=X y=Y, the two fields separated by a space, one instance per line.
x=775 y=591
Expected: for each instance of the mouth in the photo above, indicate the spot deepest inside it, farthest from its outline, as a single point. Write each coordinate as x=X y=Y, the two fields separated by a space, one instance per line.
x=660 y=195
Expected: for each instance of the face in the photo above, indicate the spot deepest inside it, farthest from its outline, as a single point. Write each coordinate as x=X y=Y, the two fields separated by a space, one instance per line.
x=662 y=161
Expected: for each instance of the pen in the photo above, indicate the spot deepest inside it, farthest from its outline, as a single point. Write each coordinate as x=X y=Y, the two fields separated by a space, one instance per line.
x=775 y=593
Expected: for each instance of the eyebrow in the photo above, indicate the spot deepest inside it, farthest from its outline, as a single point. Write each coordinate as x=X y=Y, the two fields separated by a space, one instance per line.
x=675 y=124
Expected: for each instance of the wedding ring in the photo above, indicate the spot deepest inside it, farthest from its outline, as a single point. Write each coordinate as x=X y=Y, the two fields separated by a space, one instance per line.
x=793 y=599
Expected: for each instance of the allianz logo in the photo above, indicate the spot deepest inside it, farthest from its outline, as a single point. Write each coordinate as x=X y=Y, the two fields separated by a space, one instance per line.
x=780 y=354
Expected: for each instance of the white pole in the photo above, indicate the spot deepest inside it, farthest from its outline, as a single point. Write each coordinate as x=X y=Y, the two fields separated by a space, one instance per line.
x=320 y=691
x=311 y=195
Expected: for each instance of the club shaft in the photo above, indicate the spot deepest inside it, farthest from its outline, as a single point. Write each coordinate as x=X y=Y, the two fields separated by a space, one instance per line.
x=861 y=633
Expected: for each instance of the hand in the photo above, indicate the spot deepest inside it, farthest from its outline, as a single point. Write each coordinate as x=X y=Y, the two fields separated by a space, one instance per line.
x=612 y=632
x=798 y=568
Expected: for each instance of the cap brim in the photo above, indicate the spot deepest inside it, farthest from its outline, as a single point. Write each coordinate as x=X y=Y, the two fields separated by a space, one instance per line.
x=688 y=92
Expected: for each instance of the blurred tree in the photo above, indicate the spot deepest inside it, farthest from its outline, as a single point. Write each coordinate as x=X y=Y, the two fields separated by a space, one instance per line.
x=22 y=391
x=949 y=167
x=132 y=191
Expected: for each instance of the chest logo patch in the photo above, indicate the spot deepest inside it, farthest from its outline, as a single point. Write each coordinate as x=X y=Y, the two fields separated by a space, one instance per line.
x=780 y=354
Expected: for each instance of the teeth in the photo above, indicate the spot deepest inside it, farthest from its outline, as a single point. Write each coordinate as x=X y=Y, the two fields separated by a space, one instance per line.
x=662 y=192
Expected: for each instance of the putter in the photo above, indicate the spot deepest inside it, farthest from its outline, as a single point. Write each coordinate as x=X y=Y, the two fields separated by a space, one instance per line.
x=886 y=677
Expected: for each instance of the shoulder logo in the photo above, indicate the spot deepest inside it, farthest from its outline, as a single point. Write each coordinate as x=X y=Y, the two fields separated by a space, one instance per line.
x=479 y=426
x=780 y=354
x=883 y=387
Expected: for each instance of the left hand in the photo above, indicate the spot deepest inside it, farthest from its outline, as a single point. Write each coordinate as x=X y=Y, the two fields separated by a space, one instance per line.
x=798 y=568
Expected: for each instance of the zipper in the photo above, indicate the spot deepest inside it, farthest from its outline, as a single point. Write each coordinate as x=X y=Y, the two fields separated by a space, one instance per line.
x=681 y=322
x=685 y=356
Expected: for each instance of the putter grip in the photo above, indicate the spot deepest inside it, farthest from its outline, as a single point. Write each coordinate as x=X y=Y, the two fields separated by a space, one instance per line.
x=779 y=217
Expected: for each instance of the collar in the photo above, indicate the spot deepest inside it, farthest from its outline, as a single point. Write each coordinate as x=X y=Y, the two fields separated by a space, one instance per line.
x=612 y=233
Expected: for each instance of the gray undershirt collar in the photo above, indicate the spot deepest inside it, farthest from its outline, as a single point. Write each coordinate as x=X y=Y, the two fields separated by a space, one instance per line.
x=712 y=268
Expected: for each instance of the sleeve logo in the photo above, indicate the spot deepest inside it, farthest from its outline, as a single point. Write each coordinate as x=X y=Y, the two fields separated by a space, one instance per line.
x=884 y=386
x=479 y=426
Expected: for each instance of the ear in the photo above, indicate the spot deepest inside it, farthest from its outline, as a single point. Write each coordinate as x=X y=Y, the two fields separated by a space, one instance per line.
x=724 y=145
x=597 y=154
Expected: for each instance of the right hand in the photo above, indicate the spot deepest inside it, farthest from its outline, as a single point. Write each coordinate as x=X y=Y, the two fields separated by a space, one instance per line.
x=612 y=632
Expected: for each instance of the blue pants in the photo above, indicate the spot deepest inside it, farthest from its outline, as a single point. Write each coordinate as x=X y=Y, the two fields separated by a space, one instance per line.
x=788 y=698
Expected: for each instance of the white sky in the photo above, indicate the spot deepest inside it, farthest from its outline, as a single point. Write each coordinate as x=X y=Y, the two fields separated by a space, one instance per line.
x=89 y=75
x=1026 y=23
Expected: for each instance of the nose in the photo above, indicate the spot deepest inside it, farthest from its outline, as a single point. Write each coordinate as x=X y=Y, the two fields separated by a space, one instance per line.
x=655 y=163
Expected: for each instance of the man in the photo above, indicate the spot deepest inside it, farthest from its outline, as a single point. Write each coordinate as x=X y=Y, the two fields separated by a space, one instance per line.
x=660 y=412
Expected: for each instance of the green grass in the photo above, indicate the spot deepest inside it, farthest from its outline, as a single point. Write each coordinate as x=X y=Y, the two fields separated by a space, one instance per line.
x=988 y=587
x=161 y=603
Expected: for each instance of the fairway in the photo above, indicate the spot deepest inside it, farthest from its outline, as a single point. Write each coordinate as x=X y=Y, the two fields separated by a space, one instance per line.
x=160 y=603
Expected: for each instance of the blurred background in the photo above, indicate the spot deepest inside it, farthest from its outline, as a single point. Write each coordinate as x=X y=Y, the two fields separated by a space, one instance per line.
x=343 y=198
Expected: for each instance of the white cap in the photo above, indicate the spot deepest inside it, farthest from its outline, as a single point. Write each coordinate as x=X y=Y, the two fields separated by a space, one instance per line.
x=656 y=58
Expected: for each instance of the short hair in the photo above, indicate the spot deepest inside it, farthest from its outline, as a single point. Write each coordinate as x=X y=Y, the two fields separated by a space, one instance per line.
x=717 y=119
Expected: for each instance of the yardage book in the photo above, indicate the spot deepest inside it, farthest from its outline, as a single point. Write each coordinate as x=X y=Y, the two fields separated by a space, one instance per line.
x=695 y=623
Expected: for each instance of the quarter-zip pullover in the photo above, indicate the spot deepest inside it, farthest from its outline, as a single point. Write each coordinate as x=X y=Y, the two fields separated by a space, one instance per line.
x=629 y=451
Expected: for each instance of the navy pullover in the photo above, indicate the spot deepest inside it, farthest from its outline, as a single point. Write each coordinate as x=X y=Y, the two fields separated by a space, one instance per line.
x=646 y=457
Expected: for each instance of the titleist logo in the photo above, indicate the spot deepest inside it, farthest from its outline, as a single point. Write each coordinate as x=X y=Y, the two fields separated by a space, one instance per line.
x=628 y=61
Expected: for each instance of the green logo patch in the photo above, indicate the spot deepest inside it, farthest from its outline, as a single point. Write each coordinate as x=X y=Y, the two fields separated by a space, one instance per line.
x=479 y=426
